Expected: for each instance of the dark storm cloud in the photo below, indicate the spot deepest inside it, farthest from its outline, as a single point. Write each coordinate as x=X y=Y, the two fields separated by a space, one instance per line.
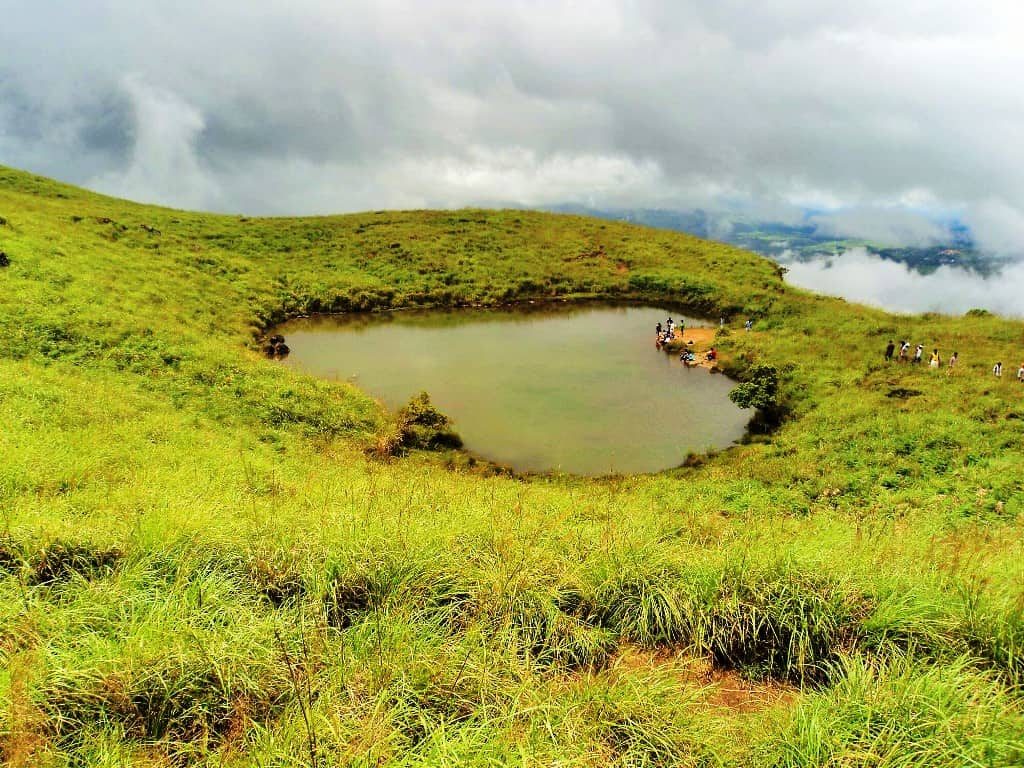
x=886 y=117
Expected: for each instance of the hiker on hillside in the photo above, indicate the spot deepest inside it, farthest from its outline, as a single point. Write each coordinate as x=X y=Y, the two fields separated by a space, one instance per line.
x=918 y=351
x=904 y=351
x=889 y=349
x=1020 y=373
x=748 y=325
x=934 y=361
x=997 y=370
x=952 y=361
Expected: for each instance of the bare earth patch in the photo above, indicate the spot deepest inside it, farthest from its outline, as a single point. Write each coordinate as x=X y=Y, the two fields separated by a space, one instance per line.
x=733 y=692
x=24 y=742
x=698 y=340
x=720 y=688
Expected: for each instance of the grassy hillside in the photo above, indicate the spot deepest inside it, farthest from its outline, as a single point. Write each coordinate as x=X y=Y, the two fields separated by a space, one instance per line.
x=200 y=564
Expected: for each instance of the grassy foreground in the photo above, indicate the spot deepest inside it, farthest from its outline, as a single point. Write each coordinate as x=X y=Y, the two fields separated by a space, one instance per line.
x=201 y=564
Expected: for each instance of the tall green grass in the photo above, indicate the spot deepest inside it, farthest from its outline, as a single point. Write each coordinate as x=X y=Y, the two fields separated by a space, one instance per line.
x=900 y=714
x=201 y=564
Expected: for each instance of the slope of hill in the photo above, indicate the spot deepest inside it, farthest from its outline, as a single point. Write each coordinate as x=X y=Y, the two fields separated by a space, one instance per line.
x=201 y=564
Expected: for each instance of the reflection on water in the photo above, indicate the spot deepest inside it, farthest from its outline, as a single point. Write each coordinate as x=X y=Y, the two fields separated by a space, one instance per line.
x=859 y=276
x=575 y=390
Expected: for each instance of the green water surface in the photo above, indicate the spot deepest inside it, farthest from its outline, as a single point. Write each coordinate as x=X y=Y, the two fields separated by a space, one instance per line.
x=579 y=390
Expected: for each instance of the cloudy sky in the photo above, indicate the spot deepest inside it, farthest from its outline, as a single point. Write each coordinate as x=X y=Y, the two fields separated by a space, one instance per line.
x=885 y=117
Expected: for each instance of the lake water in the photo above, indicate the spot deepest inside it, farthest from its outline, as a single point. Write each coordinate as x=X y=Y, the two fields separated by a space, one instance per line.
x=578 y=390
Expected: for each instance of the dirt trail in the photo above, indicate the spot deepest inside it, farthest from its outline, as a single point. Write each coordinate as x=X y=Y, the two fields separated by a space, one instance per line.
x=723 y=690
x=703 y=339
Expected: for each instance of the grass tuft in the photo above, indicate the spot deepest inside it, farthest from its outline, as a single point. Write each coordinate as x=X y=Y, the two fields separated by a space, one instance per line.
x=62 y=560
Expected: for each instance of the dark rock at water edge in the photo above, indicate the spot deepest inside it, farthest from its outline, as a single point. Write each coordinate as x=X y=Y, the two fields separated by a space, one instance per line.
x=276 y=347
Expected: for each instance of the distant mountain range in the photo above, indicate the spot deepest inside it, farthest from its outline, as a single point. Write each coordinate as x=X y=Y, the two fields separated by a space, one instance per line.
x=801 y=242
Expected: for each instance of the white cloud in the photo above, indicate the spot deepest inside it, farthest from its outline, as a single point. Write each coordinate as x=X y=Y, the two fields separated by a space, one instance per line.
x=884 y=226
x=999 y=225
x=861 y=277
x=163 y=166
x=864 y=106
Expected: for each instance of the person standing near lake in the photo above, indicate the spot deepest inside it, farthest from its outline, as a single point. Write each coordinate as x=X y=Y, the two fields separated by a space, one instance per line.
x=671 y=328
x=889 y=349
x=997 y=370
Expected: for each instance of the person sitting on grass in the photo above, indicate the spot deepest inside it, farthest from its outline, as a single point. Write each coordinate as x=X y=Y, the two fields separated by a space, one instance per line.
x=712 y=355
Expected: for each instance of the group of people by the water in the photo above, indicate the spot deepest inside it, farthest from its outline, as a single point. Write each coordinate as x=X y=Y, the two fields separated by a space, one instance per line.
x=689 y=357
x=664 y=334
x=902 y=354
x=668 y=333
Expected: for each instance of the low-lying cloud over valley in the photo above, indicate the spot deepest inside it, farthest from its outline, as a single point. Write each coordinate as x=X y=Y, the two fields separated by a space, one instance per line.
x=859 y=276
